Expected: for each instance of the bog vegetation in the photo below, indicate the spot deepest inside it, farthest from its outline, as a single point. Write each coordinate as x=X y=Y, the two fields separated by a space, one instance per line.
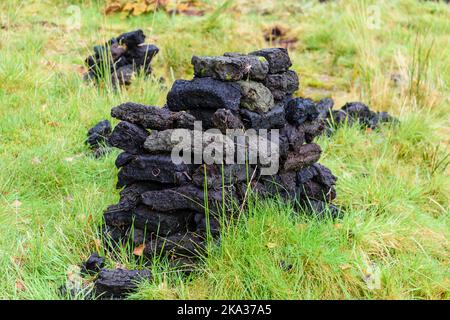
x=393 y=183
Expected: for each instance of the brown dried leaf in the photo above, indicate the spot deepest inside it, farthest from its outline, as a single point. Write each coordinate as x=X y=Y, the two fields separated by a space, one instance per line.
x=139 y=250
x=20 y=286
x=53 y=124
x=139 y=8
x=127 y=8
x=113 y=7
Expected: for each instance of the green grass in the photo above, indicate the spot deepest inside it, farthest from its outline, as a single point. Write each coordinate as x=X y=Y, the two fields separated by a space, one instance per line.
x=394 y=184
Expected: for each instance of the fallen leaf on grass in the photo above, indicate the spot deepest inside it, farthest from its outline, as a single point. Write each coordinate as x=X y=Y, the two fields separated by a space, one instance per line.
x=53 y=124
x=139 y=250
x=113 y=7
x=20 y=286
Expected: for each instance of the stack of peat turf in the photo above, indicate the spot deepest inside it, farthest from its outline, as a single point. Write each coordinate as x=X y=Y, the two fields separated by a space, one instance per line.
x=121 y=58
x=163 y=202
x=254 y=91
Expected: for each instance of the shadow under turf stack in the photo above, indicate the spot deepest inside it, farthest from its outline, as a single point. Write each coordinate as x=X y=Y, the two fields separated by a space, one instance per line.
x=163 y=204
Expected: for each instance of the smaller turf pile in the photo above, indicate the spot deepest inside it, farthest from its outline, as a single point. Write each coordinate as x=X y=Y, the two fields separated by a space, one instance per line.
x=279 y=35
x=121 y=58
x=351 y=113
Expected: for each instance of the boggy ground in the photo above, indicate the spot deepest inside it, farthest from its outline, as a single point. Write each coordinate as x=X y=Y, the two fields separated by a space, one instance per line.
x=394 y=239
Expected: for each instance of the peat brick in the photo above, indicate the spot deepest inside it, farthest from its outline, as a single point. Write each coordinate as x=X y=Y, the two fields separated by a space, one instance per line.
x=128 y=137
x=220 y=68
x=152 y=117
x=255 y=97
x=282 y=85
x=278 y=59
x=304 y=156
x=274 y=119
x=117 y=283
x=202 y=93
